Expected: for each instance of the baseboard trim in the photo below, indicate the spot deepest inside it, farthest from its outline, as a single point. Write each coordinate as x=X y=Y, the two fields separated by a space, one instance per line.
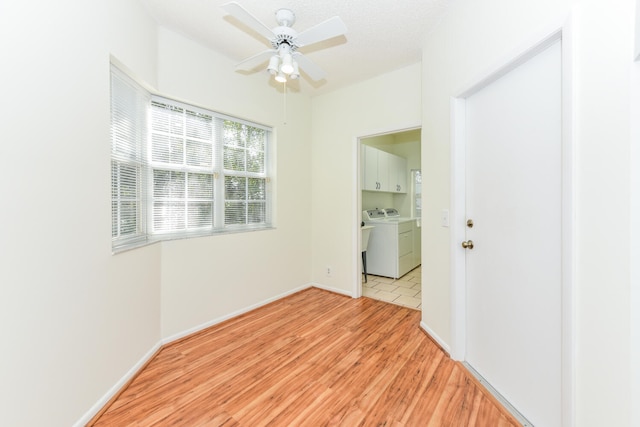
x=331 y=289
x=493 y=394
x=231 y=315
x=443 y=345
x=103 y=404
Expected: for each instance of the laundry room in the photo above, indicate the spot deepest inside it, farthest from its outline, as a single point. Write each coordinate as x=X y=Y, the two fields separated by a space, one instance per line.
x=391 y=210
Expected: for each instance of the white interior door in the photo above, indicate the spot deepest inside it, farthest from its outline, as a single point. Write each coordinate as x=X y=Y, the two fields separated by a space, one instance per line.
x=513 y=273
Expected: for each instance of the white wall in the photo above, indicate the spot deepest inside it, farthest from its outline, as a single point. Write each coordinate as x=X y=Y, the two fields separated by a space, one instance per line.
x=75 y=319
x=376 y=199
x=475 y=37
x=209 y=278
x=380 y=105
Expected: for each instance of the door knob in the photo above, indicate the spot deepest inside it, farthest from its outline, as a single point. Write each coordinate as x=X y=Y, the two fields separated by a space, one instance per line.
x=468 y=244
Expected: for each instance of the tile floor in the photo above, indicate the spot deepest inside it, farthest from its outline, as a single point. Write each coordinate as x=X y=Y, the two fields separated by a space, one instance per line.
x=405 y=291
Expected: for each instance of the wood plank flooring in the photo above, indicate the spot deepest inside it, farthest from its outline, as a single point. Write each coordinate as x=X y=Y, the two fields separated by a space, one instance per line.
x=312 y=359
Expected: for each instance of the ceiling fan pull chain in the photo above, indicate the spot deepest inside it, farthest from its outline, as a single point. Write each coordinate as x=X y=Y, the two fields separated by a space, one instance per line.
x=284 y=95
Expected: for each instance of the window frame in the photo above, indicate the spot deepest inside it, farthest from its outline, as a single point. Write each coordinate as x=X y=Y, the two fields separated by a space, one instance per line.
x=147 y=193
x=247 y=175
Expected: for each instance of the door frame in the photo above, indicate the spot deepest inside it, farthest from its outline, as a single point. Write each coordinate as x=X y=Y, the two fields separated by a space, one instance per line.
x=537 y=44
x=634 y=227
x=356 y=290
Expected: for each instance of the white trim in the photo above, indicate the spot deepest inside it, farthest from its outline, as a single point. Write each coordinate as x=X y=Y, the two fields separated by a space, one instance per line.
x=435 y=337
x=356 y=234
x=516 y=60
x=117 y=387
x=569 y=222
x=458 y=304
x=634 y=234
x=332 y=289
x=457 y=215
x=507 y=405
x=356 y=196
x=231 y=315
x=636 y=48
x=511 y=60
x=388 y=130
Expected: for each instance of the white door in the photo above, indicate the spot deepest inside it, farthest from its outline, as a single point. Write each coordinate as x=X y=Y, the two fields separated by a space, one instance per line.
x=513 y=197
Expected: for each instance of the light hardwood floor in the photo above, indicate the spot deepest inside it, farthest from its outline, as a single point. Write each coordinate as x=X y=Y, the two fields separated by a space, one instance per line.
x=312 y=359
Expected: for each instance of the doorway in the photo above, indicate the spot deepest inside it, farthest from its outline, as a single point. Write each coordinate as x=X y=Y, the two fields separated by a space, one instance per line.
x=511 y=238
x=388 y=168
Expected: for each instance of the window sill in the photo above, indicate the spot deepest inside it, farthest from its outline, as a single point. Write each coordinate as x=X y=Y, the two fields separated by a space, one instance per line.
x=157 y=238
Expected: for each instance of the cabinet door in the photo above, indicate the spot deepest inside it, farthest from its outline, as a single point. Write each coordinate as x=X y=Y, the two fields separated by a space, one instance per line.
x=405 y=252
x=370 y=168
x=398 y=174
x=401 y=179
x=375 y=166
x=417 y=245
x=384 y=181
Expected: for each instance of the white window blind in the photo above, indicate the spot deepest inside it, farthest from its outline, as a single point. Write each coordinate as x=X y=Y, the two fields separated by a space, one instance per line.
x=182 y=158
x=129 y=105
x=244 y=171
x=416 y=193
x=182 y=171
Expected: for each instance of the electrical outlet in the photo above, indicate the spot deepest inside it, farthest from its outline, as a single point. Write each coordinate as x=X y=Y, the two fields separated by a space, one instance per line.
x=328 y=271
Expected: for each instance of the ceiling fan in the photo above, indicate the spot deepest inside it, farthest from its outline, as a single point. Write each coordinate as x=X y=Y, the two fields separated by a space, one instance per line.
x=284 y=59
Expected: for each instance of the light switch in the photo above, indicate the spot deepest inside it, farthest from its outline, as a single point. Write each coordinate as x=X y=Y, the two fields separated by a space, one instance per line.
x=444 y=218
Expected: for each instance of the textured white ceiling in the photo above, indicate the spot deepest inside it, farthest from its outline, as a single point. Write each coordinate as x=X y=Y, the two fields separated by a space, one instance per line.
x=382 y=35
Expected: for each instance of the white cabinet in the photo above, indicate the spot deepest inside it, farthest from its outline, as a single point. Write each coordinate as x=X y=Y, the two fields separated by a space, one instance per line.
x=417 y=243
x=398 y=174
x=382 y=171
x=405 y=248
x=375 y=169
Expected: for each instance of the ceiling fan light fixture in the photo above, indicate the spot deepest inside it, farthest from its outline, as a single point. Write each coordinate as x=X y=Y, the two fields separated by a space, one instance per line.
x=280 y=77
x=285 y=41
x=287 y=63
x=295 y=74
x=273 y=65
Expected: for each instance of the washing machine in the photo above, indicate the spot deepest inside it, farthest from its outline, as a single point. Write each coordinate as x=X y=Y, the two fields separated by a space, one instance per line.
x=390 y=249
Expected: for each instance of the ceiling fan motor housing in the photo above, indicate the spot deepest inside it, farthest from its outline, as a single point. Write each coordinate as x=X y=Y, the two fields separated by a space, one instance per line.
x=284 y=35
x=285 y=17
x=284 y=58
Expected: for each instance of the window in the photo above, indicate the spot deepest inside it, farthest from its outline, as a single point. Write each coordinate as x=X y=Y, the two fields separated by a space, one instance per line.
x=416 y=193
x=182 y=161
x=244 y=167
x=128 y=143
x=180 y=171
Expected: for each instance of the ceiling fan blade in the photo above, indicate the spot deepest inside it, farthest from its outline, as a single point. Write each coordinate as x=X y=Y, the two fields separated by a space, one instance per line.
x=242 y=15
x=309 y=67
x=255 y=60
x=328 y=29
